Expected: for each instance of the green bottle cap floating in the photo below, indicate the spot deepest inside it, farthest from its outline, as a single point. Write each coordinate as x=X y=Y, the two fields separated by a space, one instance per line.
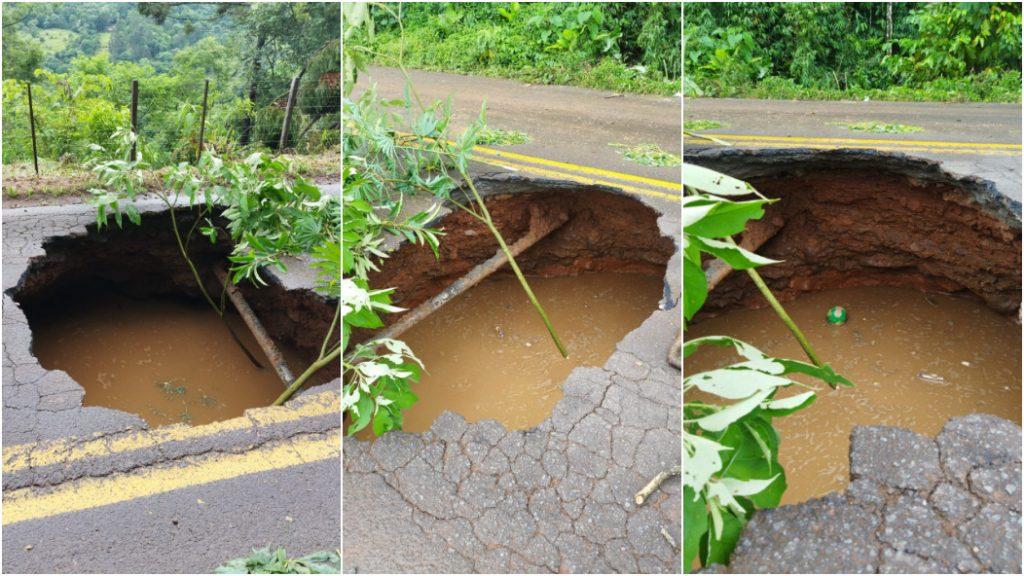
x=837 y=315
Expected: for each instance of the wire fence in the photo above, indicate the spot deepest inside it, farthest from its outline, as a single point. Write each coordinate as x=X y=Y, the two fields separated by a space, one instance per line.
x=169 y=130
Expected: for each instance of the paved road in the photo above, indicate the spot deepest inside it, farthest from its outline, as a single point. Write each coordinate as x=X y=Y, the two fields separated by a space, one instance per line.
x=478 y=498
x=90 y=489
x=571 y=128
x=972 y=139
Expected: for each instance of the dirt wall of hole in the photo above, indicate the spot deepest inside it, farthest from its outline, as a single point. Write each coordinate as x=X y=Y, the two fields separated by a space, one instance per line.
x=144 y=261
x=848 y=218
x=605 y=232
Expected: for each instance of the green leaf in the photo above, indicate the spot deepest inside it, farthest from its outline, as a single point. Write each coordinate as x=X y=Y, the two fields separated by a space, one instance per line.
x=825 y=373
x=363 y=413
x=365 y=318
x=712 y=182
x=727 y=218
x=695 y=525
x=735 y=383
x=754 y=456
x=133 y=214
x=789 y=405
x=719 y=420
x=733 y=255
x=742 y=348
x=716 y=548
x=695 y=289
x=382 y=422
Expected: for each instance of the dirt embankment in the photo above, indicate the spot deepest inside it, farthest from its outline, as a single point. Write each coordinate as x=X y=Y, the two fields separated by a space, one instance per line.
x=849 y=218
x=605 y=232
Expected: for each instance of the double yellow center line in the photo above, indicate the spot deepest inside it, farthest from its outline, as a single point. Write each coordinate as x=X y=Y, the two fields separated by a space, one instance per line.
x=32 y=504
x=559 y=170
x=884 y=144
x=82 y=494
x=584 y=174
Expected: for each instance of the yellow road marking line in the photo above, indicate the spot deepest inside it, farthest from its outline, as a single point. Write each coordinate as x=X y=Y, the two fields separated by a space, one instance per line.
x=22 y=456
x=890 y=142
x=31 y=504
x=565 y=166
x=578 y=178
x=884 y=148
x=577 y=168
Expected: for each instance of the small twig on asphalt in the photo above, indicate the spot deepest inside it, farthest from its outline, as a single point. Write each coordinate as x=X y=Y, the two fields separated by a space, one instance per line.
x=655 y=482
x=671 y=540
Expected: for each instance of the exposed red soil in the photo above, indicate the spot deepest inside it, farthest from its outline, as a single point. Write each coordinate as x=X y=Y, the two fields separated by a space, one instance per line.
x=864 y=228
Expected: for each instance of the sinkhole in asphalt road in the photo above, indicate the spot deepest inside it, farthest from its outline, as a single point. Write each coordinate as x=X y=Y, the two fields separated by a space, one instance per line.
x=927 y=267
x=487 y=353
x=119 y=311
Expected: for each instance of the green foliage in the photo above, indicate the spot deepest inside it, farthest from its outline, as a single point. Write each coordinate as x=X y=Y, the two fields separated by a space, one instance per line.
x=81 y=94
x=377 y=387
x=394 y=149
x=614 y=46
x=702 y=124
x=647 y=154
x=937 y=51
x=880 y=127
x=500 y=137
x=955 y=40
x=267 y=561
x=730 y=458
x=265 y=211
x=381 y=168
x=268 y=212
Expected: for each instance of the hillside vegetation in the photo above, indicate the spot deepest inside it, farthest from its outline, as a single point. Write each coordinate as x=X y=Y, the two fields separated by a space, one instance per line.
x=956 y=52
x=617 y=46
x=81 y=58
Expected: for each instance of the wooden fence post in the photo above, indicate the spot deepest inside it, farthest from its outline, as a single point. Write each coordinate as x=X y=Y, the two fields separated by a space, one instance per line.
x=202 y=122
x=135 y=117
x=292 y=93
x=32 y=128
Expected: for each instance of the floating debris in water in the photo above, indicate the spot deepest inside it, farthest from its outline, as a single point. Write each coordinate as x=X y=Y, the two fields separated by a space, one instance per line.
x=837 y=315
x=169 y=388
x=931 y=378
x=210 y=401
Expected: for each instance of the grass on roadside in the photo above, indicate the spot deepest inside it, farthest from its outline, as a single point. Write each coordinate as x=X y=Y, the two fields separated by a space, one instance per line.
x=458 y=53
x=501 y=137
x=57 y=179
x=267 y=561
x=982 y=87
x=702 y=124
x=880 y=127
x=647 y=154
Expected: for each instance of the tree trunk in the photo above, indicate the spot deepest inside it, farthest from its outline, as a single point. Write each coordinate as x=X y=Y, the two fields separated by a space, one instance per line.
x=253 y=90
x=888 y=25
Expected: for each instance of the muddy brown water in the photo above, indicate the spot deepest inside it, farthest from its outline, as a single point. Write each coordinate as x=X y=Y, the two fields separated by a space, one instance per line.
x=917 y=360
x=488 y=355
x=167 y=360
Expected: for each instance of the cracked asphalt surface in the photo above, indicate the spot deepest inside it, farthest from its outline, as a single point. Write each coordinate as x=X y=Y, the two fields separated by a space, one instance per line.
x=475 y=497
x=916 y=504
x=91 y=489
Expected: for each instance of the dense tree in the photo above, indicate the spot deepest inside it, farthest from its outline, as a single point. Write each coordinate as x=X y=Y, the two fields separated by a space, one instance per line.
x=249 y=52
x=952 y=47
